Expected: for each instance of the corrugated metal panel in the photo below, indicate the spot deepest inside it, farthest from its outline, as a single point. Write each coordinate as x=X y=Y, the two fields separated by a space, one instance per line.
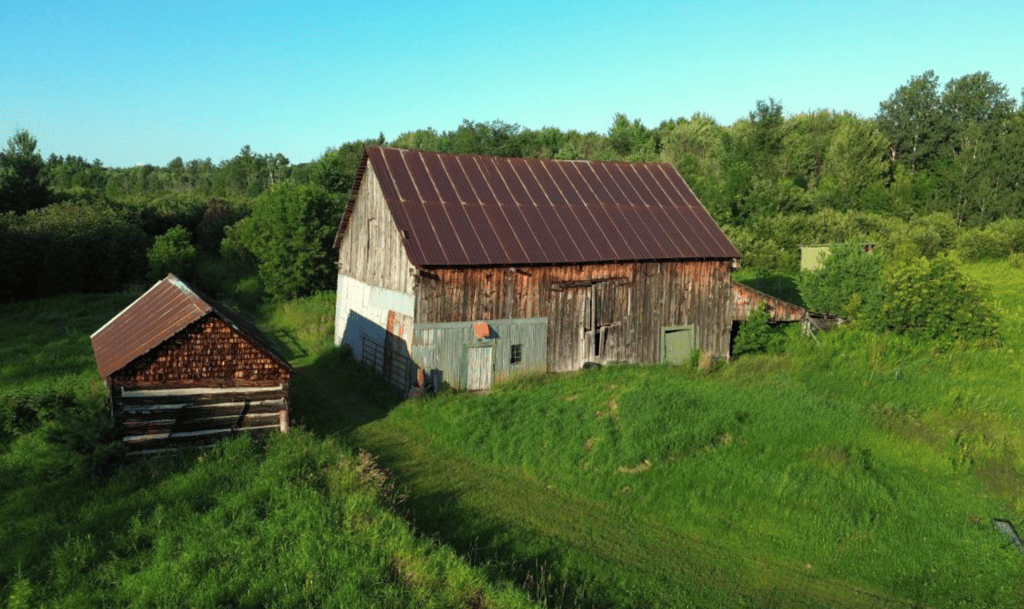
x=161 y=312
x=473 y=210
x=440 y=347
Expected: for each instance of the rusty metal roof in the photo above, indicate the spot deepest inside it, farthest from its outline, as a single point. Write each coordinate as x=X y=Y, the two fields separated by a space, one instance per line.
x=164 y=310
x=470 y=210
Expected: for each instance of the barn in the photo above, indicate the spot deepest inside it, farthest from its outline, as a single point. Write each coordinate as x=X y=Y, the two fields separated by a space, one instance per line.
x=181 y=368
x=478 y=268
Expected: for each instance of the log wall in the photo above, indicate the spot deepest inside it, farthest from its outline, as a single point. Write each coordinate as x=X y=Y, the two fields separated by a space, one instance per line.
x=595 y=312
x=207 y=381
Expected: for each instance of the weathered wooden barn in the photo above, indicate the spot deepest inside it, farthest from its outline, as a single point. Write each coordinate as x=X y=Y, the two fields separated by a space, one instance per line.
x=478 y=268
x=181 y=369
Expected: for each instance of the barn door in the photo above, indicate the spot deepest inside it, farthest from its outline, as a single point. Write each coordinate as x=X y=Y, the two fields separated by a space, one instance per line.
x=678 y=343
x=479 y=366
x=608 y=307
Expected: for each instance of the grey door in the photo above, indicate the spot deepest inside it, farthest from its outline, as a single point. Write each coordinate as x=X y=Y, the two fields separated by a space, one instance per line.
x=479 y=367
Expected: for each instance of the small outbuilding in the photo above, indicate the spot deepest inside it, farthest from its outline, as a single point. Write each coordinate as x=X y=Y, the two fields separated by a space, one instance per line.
x=182 y=369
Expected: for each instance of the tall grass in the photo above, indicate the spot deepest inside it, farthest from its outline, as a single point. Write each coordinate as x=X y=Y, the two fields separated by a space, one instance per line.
x=860 y=470
x=291 y=520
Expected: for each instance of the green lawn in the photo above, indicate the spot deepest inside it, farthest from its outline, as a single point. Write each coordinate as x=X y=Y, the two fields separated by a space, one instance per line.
x=860 y=471
x=863 y=471
x=293 y=521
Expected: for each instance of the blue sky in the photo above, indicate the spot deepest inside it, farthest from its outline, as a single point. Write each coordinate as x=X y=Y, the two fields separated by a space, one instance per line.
x=136 y=82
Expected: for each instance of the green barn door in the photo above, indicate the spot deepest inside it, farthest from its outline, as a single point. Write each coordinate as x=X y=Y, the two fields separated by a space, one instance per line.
x=677 y=343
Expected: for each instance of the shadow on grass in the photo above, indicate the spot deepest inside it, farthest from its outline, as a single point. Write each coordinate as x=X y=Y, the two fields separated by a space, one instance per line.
x=288 y=343
x=335 y=394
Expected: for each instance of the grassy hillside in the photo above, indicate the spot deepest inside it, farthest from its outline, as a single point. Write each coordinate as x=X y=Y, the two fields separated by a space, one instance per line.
x=294 y=521
x=858 y=471
x=861 y=471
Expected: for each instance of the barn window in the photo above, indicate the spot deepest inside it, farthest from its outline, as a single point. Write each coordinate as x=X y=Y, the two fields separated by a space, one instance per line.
x=516 y=355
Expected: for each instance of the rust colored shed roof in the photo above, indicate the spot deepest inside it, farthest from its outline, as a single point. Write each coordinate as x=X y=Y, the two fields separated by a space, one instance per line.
x=470 y=210
x=164 y=310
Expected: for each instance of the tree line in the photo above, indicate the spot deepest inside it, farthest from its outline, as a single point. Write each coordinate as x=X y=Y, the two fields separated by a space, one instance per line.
x=938 y=165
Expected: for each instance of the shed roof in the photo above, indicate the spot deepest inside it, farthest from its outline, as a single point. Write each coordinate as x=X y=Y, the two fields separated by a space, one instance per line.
x=161 y=312
x=471 y=210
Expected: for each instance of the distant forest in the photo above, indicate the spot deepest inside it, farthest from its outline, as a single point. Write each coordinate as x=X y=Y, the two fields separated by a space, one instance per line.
x=938 y=168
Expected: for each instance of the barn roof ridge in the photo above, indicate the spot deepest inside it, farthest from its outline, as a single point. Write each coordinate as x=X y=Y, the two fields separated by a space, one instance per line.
x=165 y=309
x=615 y=211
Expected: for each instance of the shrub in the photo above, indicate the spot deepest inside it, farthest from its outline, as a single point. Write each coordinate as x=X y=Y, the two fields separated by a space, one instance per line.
x=761 y=253
x=70 y=247
x=755 y=334
x=982 y=244
x=172 y=252
x=24 y=410
x=934 y=300
x=848 y=281
x=218 y=216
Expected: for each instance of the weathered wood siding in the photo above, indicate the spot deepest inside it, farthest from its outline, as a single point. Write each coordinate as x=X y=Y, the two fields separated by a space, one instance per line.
x=208 y=353
x=204 y=382
x=746 y=298
x=595 y=312
x=157 y=419
x=371 y=249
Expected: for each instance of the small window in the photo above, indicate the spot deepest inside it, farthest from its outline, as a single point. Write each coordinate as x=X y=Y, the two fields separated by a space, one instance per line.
x=516 y=355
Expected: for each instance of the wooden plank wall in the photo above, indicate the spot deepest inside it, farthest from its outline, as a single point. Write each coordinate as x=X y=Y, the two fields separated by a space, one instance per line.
x=371 y=249
x=634 y=300
x=157 y=419
x=746 y=298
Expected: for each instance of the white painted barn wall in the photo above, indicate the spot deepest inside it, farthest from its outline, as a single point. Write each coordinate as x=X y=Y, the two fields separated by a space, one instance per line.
x=362 y=309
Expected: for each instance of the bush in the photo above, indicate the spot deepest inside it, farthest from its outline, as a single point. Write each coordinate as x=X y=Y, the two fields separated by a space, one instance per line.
x=849 y=280
x=982 y=244
x=218 y=216
x=755 y=335
x=761 y=253
x=69 y=247
x=291 y=235
x=25 y=410
x=172 y=252
x=934 y=300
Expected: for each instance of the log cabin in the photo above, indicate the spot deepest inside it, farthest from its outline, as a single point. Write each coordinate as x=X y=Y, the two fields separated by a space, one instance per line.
x=183 y=369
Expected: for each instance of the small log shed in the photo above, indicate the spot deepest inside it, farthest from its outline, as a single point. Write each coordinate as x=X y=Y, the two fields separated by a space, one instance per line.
x=182 y=369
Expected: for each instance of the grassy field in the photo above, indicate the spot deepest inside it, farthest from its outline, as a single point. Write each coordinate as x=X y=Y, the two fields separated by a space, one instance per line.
x=293 y=521
x=857 y=471
x=861 y=471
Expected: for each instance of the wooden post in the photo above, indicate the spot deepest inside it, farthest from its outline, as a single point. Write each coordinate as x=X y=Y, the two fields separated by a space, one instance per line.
x=283 y=421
